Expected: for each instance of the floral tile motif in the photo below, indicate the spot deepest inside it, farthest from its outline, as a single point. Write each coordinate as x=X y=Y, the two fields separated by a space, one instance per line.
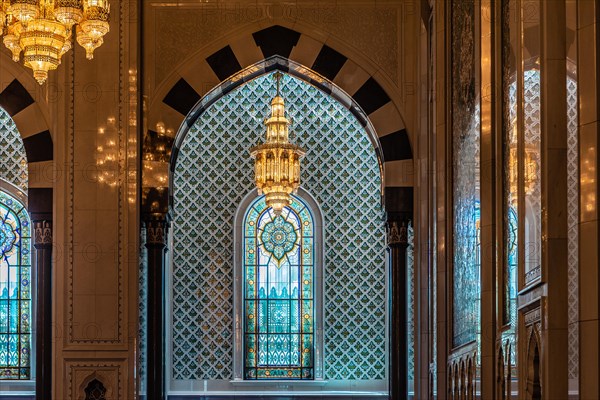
x=214 y=172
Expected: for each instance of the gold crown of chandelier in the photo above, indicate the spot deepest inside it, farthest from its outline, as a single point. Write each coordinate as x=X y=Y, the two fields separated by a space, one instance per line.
x=42 y=30
x=277 y=165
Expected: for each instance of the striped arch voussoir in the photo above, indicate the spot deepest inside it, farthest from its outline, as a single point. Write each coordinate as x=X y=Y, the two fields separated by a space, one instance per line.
x=372 y=99
x=29 y=119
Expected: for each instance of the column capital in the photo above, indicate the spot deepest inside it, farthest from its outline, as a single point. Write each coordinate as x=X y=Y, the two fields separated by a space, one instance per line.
x=397 y=235
x=157 y=227
x=42 y=233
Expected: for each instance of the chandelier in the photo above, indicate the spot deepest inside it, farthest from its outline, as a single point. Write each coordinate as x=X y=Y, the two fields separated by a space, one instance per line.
x=42 y=30
x=277 y=161
x=531 y=164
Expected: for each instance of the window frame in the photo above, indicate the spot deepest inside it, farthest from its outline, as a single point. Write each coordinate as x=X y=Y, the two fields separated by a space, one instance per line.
x=238 y=289
x=25 y=387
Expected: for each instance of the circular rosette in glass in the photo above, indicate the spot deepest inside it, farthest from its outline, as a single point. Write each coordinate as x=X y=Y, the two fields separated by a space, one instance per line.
x=279 y=237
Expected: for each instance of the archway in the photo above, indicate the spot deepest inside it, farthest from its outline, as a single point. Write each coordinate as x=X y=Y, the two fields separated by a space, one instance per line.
x=534 y=386
x=26 y=278
x=174 y=97
x=343 y=169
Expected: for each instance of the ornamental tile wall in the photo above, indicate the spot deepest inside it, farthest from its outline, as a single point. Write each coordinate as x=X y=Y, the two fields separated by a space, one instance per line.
x=410 y=307
x=13 y=159
x=573 y=224
x=143 y=312
x=465 y=175
x=214 y=172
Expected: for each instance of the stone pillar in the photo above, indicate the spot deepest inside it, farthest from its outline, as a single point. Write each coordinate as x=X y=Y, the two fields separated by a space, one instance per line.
x=588 y=71
x=554 y=358
x=156 y=225
x=40 y=211
x=397 y=242
x=42 y=242
x=489 y=189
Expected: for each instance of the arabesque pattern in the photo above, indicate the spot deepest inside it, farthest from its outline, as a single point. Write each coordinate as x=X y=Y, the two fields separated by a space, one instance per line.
x=13 y=164
x=212 y=176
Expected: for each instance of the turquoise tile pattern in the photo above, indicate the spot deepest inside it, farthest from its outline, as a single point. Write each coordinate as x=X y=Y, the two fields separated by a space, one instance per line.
x=13 y=159
x=214 y=172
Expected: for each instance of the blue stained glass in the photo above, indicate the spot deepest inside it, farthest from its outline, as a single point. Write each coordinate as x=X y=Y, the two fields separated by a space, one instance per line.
x=278 y=292
x=512 y=263
x=465 y=142
x=15 y=292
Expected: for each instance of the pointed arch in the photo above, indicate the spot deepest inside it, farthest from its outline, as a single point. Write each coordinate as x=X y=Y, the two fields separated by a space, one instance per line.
x=202 y=224
x=262 y=68
x=19 y=96
x=376 y=99
x=533 y=386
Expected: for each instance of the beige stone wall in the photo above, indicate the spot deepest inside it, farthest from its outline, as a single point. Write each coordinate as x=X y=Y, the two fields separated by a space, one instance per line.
x=95 y=214
x=93 y=118
x=379 y=38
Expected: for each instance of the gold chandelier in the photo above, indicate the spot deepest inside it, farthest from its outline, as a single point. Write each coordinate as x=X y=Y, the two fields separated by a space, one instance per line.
x=531 y=164
x=42 y=30
x=277 y=161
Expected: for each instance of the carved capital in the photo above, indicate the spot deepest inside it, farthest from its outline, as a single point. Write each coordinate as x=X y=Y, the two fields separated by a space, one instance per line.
x=157 y=227
x=397 y=235
x=42 y=233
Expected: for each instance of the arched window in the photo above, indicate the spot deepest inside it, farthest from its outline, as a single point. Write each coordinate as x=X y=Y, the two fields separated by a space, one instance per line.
x=278 y=292
x=15 y=289
x=213 y=189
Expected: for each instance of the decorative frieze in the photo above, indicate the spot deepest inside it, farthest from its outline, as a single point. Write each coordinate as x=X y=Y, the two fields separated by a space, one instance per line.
x=533 y=316
x=533 y=274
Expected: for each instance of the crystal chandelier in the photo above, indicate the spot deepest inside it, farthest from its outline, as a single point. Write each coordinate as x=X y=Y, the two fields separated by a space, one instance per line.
x=42 y=30
x=531 y=164
x=277 y=161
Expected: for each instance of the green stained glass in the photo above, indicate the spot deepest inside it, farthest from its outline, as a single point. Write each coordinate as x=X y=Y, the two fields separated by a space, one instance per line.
x=279 y=237
x=278 y=292
x=15 y=290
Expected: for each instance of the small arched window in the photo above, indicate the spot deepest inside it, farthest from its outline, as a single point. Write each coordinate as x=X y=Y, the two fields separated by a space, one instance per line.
x=15 y=289
x=278 y=292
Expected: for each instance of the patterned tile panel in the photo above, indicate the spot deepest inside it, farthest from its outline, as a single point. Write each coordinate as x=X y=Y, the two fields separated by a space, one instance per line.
x=465 y=175
x=410 y=281
x=573 y=225
x=214 y=172
x=532 y=134
x=143 y=310
x=13 y=164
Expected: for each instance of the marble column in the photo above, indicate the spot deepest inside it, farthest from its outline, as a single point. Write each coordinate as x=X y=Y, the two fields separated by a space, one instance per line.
x=156 y=226
x=553 y=303
x=42 y=242
x=40 y=201
x=397 y=242
x=588 y=71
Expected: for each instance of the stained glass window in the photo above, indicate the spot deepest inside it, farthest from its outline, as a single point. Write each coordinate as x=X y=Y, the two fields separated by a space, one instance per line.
x=15 y=290
x=279 y=294
x=512 y=261
x=466 y=122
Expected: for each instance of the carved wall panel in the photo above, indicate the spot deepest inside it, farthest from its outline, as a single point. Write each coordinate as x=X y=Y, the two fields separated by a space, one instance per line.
x=80 y=374
x=373 y=31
